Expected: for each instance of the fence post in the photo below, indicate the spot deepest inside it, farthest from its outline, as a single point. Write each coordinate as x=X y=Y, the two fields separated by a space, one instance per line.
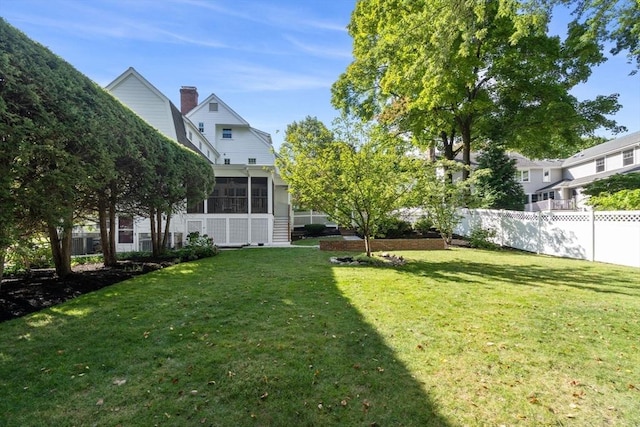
x=501 y=227
x=593 y=235
x=539 y=238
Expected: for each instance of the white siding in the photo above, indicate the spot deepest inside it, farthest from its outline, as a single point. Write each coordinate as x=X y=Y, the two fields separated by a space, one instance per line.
x=244 y=145
x=146 y=104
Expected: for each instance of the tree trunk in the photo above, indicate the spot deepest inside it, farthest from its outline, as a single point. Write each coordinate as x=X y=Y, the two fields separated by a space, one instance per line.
x=3 y=254
x=165 y=239
x=60 y=250
x=107 y=241
x=154 y=233
x=367 y=244
x=466 y=146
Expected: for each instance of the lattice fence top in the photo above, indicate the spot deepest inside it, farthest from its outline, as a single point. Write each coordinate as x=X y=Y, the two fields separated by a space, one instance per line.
x=568 y=217
x=631 y=216
x=523 y=216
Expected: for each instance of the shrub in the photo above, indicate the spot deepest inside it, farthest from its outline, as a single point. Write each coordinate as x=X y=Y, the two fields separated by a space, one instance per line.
x=480 y=238
x=197 y=247
x=394 y=228
x=314 y=230
x=423 y=225
x=28 y=254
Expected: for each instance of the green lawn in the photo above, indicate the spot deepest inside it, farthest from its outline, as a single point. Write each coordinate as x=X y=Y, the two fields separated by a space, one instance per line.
x=275 y=337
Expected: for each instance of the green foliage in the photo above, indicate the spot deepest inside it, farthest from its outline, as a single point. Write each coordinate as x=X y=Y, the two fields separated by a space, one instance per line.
x=28 y=254
x=623 y=200
x=394 y=228
x=423 y=225
x=454 y=72
x=314 y=230
x=357 y=178
x=481 y=238
x=86 y=259
x=499 y=188
x=197 y=247
x=613 y=184
x=442 y=198
x=70 y=150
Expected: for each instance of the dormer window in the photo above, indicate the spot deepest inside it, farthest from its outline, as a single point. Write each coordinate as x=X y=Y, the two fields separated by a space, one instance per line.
x=201 y=127
x=252 y=161
x=627 y=157
x=227 y=161
x=227 y=133
x=546 y=175
x=213 y=106
x=600 y=165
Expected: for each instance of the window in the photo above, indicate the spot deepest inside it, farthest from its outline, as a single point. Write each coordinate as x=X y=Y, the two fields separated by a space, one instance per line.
x=227 y=161
x=229 y=196
x=200 y=145
x=259 y=196
x=201 y=127
x=252 y=161
x=125 y=229
x=522 y=176
x=208 y=154
x=627 y=157
x=546 y=175
x=226 y=133
x=213 y=106
x=190 y=135
x=534 y=198
x=600 y=164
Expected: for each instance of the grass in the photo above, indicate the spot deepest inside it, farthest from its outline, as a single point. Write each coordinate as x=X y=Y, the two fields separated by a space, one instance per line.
x=281 y=337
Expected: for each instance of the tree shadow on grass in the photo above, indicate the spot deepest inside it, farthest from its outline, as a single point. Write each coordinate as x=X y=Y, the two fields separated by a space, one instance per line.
x=234 y=340
x=579 y=276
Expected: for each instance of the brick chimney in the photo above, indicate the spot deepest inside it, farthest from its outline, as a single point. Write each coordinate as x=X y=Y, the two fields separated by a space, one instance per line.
x=188 y=98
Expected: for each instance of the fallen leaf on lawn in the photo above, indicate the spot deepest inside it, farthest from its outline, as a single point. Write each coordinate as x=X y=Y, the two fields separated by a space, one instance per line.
x=343 y=402
x=100 y=402
x=119 y=381
x=264 y=396
x=380 y=369
x=194 y=392
x=146 y=334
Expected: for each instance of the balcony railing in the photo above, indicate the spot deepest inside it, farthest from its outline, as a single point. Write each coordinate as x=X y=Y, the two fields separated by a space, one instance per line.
x=551 y=205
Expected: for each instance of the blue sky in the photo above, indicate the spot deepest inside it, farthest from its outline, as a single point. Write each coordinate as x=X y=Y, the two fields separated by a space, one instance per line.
x=272 y=61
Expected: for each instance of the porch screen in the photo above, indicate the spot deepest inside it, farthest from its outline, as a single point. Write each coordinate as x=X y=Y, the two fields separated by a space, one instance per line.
x=229 y=196
x=259 y=196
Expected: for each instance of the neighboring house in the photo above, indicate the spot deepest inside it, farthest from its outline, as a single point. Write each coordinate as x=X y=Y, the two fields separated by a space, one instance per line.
x=250 y=202
x=620 y=155
x=536 y=175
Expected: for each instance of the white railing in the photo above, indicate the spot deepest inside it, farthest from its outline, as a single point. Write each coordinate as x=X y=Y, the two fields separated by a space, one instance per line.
x=605 y=236
x=302 y=218
x=551 y=205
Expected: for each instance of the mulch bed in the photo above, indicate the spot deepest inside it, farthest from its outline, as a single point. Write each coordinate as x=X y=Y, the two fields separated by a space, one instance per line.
x=24 y=294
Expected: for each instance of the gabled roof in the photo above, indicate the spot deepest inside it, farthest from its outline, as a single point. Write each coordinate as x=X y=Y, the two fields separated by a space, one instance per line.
x=524 y=162
x=580 y=182
x=600 y=150
x=176 y=116
x=214 y=98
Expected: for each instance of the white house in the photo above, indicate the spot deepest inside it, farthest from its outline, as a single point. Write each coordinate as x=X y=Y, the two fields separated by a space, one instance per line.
x=617 y=156
x=250 y=202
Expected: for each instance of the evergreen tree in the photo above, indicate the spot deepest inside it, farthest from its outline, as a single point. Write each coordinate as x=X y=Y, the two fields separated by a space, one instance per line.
x=499 y=188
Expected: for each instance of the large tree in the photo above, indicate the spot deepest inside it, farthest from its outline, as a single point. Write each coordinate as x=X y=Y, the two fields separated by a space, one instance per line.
x=358 y=179
x=499 y=188
x=69 y=150
x=450 y=73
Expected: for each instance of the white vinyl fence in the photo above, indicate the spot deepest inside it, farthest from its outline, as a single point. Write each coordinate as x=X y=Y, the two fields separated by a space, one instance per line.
x=612 y=237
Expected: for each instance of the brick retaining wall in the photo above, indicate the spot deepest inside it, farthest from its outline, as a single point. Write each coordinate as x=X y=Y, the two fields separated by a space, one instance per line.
x=383 y=245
